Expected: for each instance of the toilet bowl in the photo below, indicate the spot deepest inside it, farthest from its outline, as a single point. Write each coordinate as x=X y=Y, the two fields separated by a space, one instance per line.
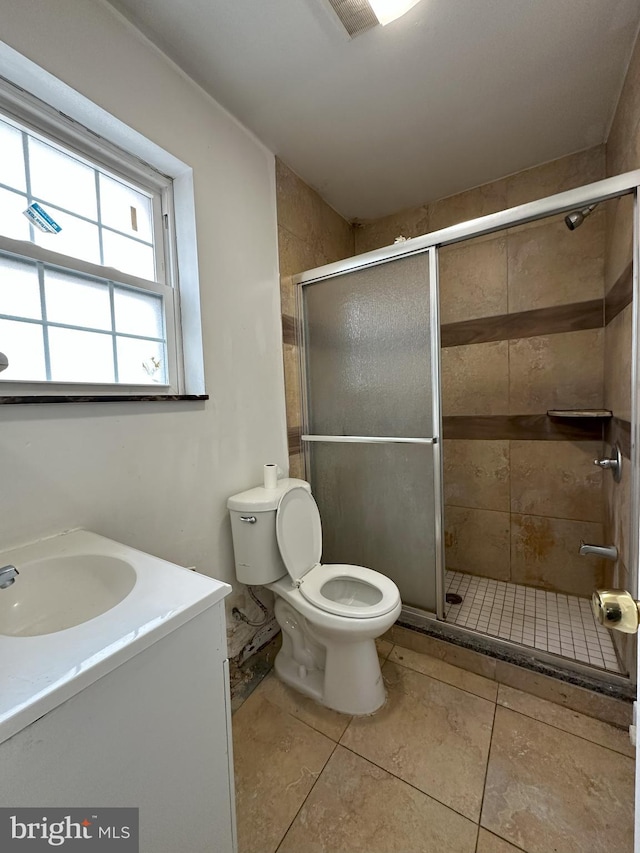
x=330 y=615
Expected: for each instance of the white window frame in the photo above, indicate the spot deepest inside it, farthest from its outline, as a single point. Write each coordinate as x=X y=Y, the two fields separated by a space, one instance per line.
x=56 y=112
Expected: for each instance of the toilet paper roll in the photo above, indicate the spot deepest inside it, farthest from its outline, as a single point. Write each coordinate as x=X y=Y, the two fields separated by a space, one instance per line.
x=271 y=476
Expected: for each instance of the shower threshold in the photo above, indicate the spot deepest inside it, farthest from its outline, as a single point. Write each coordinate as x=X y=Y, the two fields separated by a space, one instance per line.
x=551 y=622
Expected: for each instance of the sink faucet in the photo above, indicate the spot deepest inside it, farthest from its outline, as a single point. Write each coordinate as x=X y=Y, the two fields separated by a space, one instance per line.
x=8 y=575
x=609 y=552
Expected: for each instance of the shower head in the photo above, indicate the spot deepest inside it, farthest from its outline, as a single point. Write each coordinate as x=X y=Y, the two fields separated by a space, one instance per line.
x=575 y=219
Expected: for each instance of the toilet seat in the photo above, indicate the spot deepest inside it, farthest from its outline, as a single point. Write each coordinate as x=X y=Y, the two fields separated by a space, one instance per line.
x=350 y=597
x=343 y=590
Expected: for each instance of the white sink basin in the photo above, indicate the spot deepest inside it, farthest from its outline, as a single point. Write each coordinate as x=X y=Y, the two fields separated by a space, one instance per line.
x=81 y=606
x=52 y=594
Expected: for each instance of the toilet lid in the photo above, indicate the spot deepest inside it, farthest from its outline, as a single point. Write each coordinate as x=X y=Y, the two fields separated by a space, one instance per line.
x=299 y=532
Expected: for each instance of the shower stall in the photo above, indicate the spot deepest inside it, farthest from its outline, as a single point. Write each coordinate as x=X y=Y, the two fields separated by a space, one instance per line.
x=451 y=447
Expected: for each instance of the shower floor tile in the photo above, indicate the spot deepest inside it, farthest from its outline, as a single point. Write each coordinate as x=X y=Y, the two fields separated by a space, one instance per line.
x=549 y=621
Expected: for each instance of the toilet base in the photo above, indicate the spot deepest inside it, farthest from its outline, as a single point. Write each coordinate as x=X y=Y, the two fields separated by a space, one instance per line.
x=310 y=683
x=344 y=675
x=353 y=687
x=353 y=681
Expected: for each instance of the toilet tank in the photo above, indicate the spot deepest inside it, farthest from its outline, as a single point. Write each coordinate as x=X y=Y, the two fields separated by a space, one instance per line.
x=255 y=545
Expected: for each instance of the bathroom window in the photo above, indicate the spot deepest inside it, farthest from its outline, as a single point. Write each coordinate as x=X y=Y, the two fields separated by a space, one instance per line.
x=89 y=303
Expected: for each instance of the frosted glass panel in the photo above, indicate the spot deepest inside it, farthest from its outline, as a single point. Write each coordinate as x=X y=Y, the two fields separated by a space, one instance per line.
x=19 y=289
x=13 y=222
x=138 y=313
x=76 y=302
x=125 y=209
x=141 y=362
x=12 y=160
x=367 y=337
x=78 y=238
x=127 y=255
x=80 y=356
x=377 y=508
x=62 y=180
x=368 y=351
x=23 y=345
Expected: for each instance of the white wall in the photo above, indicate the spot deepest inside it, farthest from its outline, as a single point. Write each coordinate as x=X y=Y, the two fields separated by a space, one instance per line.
x=157 y=475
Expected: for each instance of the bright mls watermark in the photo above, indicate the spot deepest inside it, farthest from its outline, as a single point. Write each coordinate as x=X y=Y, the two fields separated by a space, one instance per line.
x=103 y=830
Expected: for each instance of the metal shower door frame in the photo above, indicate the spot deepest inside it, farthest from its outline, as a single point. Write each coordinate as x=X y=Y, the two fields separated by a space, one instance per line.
x=435 y=440
x=599 y=191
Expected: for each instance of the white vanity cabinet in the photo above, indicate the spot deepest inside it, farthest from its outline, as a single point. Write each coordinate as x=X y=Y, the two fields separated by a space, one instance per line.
x=151 y=729
x=153 y=734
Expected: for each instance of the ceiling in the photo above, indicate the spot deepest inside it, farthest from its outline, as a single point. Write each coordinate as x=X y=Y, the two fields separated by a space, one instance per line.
x=454 y=94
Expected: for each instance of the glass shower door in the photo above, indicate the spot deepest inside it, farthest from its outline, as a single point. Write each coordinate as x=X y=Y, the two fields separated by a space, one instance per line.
x=372 y=432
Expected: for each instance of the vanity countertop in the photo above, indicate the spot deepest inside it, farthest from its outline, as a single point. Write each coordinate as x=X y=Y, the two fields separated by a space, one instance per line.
x=39 y=672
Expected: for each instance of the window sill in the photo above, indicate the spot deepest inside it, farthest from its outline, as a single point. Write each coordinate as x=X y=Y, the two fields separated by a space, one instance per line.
x=120 y=398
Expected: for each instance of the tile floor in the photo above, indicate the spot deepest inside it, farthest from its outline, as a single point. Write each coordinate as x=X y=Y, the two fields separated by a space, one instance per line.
x=453 y=763
x=562 y=624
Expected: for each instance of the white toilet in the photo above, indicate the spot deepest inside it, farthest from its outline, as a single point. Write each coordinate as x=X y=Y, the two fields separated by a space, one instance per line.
x=330 y=615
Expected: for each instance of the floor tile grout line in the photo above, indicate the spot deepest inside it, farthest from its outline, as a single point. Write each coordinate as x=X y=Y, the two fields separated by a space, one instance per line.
x=486 y=769
x=498 y=618
x=448 y=683
x=501 y=838
x=485 y=593
x=335 y=746
x=559 y=728
x=304 y=722
x=410 y=784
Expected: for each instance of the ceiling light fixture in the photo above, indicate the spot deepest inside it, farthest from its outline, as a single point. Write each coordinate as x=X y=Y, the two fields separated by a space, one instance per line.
x=358 y=16
x=388 y=10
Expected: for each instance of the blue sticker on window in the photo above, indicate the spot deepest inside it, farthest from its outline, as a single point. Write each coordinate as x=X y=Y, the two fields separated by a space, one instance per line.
x=41 y=219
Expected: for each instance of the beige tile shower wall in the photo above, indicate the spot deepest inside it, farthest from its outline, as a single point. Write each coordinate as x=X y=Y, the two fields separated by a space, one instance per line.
x=310 y=233
x=518 y=509
x=622 y=155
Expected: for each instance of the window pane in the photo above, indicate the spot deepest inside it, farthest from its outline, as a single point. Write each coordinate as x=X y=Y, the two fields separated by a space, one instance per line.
x=141 y=362
x=138 y=313
x=62 y=180
x=23 y=345
x=13 y=222
x=125 y=209
x=75 y=301
x=80 y=356
x=12 y=160
x=19 y=289
x=78 y=238
x=128 y=255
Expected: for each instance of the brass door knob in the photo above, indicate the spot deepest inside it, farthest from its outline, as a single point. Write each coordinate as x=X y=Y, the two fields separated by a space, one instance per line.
x=616 y=609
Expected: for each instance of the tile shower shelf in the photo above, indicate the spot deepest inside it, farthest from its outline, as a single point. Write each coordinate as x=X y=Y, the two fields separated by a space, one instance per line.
x=580 y=413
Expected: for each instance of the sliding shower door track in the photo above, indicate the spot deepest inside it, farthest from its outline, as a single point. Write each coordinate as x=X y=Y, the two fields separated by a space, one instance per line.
x=544 y=663
x=367 y=439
